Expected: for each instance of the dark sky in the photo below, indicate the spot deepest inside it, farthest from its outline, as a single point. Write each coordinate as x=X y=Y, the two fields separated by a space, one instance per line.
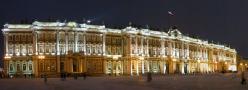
x=222 y=21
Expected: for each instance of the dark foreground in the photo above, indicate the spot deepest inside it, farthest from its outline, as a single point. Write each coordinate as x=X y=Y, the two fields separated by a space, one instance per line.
x=228 y=81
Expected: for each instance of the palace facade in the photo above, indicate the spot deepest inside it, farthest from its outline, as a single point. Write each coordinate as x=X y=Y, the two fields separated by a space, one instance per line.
x=54 y=47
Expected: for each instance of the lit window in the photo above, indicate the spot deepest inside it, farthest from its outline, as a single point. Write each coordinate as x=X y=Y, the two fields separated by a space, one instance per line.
x=30 y=50
x=47 y=49
x=53 y=48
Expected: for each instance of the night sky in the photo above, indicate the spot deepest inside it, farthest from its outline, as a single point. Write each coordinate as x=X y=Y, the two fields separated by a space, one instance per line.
x=223 y=21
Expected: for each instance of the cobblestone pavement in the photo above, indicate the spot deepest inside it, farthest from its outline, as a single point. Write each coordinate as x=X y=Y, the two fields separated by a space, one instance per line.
x=228 y=81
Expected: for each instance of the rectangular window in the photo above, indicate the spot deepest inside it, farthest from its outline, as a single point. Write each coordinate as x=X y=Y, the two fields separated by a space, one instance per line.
x=16 y=38
x=109 y=50
x=30 y=38
x=10 y=38
x=82 y=47
x=10 y=49
x=30 y=50
x=100 y=49
x=47 y=49
x=133 y=49
x=53 y=48
x=93 y=49
x=24 y=50
x=88 y=49
x=17 y=51
x=71 y=47
x=41 y=48
x=61 y=48
x=23 y=37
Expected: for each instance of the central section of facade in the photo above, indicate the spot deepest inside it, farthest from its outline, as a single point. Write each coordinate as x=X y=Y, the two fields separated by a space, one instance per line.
x=54 y=47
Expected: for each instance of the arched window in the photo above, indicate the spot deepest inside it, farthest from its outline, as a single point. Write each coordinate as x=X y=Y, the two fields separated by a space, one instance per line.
x=11 y=67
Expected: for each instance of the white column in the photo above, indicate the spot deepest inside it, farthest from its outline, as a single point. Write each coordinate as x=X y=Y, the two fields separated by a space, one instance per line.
x=76 y=41
x=84 y=36
x=197 y=51
x=202 y=53
x=171 y=47
x=136 y=44
x=57 y=41
x=116 y=67
x=58 y=51
x=6 y=44
x=26 y=47
x=36 y=43
x=164 y=67
x=131 y=45
x=131 y=68
x=137 y=67
x=66 y=42
x=104 y=44
x=143 y=69
x=147 y=46
x=182 y=67
x=162 y=48
x=174 y=49
x=218 y=55
x=206 y=54
x=182 y=50
x=187 y=51
x=142 y=46
x=234 y=58
x=148 y=66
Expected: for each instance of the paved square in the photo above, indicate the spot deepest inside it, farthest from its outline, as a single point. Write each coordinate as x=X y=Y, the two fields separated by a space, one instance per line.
x=228 y=81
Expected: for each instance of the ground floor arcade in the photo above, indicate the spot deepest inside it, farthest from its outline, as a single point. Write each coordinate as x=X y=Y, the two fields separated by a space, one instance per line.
x=110 y=65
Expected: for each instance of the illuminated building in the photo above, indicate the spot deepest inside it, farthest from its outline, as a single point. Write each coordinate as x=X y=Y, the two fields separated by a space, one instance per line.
x=242 y=64
x=54 y=47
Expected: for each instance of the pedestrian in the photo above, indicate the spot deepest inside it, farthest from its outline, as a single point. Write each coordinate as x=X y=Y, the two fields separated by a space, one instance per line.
x=45 y=78
x=75 y=76
x=243 y=79
x=62 y=76
x=1 y=75
x=84 y=75
x=149 y=77
x=1 y=70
